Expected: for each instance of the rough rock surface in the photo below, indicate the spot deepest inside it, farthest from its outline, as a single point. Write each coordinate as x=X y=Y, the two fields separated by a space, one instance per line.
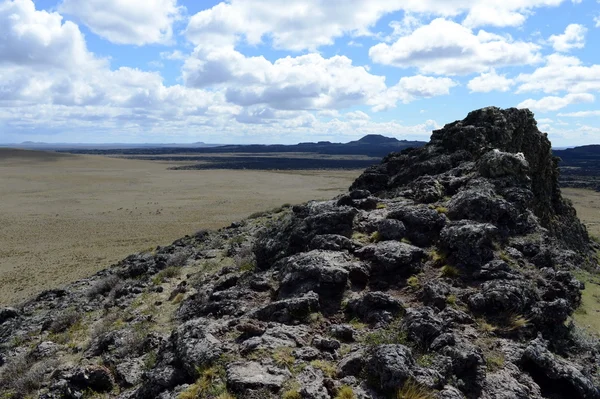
x=446 y=268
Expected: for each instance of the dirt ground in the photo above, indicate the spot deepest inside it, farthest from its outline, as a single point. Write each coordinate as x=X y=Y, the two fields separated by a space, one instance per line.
x=64 y=217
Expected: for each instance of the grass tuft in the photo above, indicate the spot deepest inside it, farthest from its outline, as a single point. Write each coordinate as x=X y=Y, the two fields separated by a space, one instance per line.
x=449 y=271
x=413 y=282
x=326 y=367
x=392 y=334
x=165 y=274
x=345 y=392
x=414 y=390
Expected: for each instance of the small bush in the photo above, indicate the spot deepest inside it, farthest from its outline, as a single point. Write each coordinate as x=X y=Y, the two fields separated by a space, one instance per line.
x=64 y=321
x=345 y=392
x=178 y=259
x=103 y=286
x=449 y=271
x=23 y=377
x=414 y=390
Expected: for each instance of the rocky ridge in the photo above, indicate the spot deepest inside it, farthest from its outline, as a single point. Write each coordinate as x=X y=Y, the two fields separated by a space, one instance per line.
x=445 y=272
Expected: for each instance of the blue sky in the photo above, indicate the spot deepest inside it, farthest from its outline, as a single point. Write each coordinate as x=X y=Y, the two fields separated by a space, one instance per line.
x=267 y=71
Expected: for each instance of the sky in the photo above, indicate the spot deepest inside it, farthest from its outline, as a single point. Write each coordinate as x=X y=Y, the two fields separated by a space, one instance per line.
x=272 y=71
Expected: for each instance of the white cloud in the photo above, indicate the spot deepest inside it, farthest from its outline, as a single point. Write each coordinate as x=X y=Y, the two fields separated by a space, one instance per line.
x=357 y=115
x=561 y=73
x=136 y=22
x=254 y=20
x=491 y=81
x=447 y=48
x=410 y=88
x=555 y=103
x=581 y=114
x=307 y=82
x=597 y=21
x=574 y=37
x=40 y=38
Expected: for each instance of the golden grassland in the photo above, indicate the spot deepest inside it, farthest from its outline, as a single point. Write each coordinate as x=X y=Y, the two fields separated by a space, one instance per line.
x=64 y=217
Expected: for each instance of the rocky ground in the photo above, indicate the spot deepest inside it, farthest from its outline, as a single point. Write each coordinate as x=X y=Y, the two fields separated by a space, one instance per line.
x=445 y=272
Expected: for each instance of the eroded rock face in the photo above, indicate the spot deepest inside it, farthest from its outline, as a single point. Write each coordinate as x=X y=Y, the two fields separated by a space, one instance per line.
x=448 y=268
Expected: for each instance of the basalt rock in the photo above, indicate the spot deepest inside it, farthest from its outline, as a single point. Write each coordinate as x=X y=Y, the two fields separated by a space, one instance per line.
x=438 y=269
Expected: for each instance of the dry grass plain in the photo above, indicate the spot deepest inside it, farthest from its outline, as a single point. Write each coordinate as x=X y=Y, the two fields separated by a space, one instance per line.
x=64 y=217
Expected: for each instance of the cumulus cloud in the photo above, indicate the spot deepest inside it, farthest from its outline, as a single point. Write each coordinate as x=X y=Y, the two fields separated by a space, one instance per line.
x=136 y=22
x=553 y=103
x=307 y=82
x=561 y=73
x=40 y=38
x=356 y=115
x=581 y=114
x=254 y=20
x=491 y=81
x=573 y=37
x=410 y=88
x=447 y=48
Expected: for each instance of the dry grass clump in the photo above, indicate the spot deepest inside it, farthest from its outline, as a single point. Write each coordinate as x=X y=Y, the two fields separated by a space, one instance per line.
x=345 y=392
x=22 y=376
x=449 y=271
x=414 y=390
x=64 y=321
x=103 y=286
x=245 y=259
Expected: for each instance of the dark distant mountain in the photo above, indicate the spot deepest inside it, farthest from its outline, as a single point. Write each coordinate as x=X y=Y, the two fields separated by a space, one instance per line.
x=34 y=145
x=376 y=139
x=580 y=167
x=371 y=145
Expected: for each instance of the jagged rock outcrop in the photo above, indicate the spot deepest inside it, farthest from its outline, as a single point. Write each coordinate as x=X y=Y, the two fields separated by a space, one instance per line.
x=446 y=270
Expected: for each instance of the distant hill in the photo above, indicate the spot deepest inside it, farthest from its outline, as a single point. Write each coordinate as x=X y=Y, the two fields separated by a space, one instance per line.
x=372 y=145
x=580 y=167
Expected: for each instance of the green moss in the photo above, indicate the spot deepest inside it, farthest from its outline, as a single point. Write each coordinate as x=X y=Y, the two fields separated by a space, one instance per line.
x=381 y=205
